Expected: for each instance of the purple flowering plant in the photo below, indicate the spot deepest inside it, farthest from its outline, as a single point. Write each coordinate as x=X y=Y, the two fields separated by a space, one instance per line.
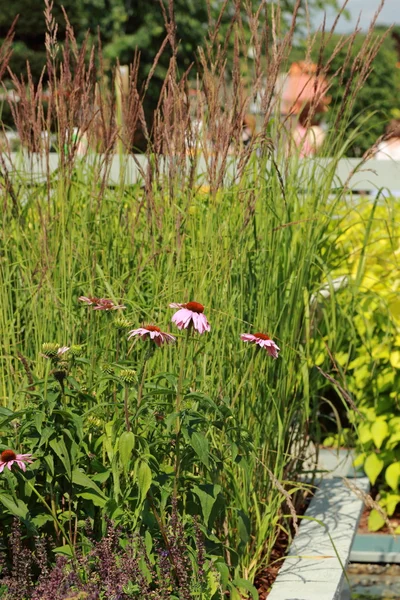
x=112 y=567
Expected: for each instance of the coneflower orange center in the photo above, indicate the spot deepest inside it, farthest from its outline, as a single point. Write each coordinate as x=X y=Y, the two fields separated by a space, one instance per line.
x=104 y=302
x=262 y=336
x=151 y=328
x=194 y=307
x=8 y=455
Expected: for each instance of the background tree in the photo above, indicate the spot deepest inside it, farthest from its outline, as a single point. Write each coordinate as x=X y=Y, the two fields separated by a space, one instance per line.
x=30 y=30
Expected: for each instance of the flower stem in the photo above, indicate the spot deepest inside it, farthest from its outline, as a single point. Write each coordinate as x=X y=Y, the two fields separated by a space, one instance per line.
x=126 y=408
x=53 y=513
x=141 y=381
x=243 y=380
x=179 y=398
x=116 y=360
x=148 y=355
x=179 y=391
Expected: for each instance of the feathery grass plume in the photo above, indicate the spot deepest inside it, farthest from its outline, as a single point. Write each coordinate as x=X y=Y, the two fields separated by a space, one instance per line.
x=27 y=370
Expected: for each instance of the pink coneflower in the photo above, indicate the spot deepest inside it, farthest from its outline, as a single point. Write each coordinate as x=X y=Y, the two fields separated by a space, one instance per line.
x=154 y=333
x=8 y=458
x=189 y=314
x=262 y=340
x=100 y=303
x=62 y=350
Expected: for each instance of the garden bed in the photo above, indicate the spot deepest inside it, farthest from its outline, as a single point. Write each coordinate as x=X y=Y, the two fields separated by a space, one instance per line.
x=176 y=435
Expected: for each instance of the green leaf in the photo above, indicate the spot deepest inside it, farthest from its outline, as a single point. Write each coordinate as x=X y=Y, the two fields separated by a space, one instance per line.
x=116 y=479
x=148 y=542
x=49 y=460
x=373 y=466
x=60 y=449
x=101 y=477
x=359 y=460
x=392 y=501
x=41 y=520
x=114 y=511
x=38 y=419
x=375 y=520
x=213 y=582
x=392 y=475
x=234 y=593
x=126 y=443
x=18 y=508
x=223 y=571
x=379 y=431
x=244 y=584
x=65 y=550
x=94 y=498
x=144 y=479
x=79 y=478
x=243 y=526
x=108 y=430
x=207 y=495
x=199 y=444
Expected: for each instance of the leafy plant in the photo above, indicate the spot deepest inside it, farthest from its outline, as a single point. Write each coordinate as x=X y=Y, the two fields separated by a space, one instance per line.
x=127 y=465
x=370 y=364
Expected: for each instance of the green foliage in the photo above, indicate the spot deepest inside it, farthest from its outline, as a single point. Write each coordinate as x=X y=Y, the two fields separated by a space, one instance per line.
x=31 y=27
x=369 y=359
x=89 y=465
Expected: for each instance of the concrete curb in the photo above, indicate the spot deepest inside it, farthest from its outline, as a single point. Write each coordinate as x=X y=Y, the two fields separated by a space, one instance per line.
x=314 y=568
x=374 y=174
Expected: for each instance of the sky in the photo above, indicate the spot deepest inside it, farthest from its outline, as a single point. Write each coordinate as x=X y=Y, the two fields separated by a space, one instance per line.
x=389 y=15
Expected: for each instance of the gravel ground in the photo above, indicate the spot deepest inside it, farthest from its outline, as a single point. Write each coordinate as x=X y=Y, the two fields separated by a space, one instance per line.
x=373 y=582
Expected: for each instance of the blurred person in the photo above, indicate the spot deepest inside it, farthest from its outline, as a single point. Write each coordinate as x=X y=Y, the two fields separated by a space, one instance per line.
x=248 y=129
x=389 y=148
x=80 y=140
x=308 y=134
x=303 y=99
x=303 y=84
x=242 y=138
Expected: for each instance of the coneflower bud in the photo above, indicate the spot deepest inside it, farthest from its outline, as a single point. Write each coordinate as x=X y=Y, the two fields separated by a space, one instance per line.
x=128 y=376
x=122 y=323
x=76 y=350
x=94 y=420
x=50 y=349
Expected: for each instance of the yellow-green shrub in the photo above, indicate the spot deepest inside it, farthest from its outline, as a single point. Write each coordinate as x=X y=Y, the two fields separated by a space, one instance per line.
x=369 y=253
